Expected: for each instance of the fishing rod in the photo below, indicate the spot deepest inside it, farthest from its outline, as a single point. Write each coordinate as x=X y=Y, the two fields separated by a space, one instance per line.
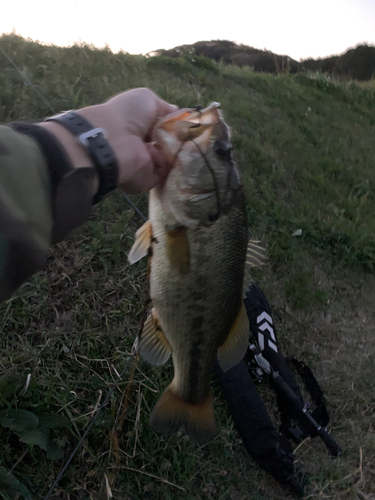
x=50 y=107
x=27 y=81
x=135 y=346
x=303 y=412
x=57 y=480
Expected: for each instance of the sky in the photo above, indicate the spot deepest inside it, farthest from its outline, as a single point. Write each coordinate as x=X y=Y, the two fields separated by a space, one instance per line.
x=298 y=28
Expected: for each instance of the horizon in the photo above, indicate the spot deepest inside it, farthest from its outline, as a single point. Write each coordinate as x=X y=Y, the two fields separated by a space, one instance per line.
x=300 y=31
x=150 y=53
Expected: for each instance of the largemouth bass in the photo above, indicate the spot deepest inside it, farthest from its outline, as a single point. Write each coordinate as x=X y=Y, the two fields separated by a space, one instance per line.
x=196 y=240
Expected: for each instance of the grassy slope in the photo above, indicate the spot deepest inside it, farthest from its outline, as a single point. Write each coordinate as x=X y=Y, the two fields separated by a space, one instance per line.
x=306 y=148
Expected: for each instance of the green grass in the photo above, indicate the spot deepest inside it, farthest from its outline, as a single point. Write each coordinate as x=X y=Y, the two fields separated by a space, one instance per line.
x=305 y=145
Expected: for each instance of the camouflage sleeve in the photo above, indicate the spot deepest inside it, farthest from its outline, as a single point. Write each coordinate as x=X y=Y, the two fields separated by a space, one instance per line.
x=32 y=214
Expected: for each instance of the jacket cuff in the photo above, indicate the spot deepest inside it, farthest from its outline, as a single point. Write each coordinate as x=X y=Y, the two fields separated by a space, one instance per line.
x=71 y=188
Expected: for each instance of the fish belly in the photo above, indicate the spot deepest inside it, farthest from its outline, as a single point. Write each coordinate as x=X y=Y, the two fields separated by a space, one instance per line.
x=197 y=310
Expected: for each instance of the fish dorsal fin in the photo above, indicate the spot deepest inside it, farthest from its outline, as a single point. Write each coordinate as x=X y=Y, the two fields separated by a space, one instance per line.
x=235 y=345
x=153 y=346
x=255 y=256
x=142 y=243
x=178 y=249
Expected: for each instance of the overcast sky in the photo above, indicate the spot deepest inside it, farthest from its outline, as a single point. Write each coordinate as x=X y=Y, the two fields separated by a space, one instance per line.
x=297 y=28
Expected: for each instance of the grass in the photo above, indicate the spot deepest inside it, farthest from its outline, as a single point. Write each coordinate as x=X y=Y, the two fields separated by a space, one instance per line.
x=305 y=145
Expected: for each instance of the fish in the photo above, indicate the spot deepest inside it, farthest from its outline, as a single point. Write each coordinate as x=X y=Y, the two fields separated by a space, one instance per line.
x=196 y=240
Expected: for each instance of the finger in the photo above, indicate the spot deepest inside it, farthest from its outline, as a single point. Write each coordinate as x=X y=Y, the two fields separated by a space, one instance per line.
x=164 y=108
x=142 y=167
x=143 y=180
x=151 y=101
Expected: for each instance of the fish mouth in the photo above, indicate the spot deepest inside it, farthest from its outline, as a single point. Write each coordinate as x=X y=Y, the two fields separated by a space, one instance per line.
x=191 y=133
x=190 y=129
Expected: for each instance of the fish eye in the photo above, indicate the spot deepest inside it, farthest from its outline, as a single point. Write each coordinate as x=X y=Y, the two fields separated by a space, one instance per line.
x=223 y=150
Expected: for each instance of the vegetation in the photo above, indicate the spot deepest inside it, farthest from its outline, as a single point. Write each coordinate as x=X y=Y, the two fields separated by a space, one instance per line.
x=357 y=63
x=305 y=146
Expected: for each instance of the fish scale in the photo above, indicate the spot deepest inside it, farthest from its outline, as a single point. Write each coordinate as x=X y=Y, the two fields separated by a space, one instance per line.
x=211 y=292
x=197 y=235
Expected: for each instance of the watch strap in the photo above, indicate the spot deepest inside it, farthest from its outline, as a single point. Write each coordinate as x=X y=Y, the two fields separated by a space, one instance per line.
x=98 y=148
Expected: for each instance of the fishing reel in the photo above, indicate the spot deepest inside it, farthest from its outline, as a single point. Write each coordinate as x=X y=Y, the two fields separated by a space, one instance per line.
x=257 y=365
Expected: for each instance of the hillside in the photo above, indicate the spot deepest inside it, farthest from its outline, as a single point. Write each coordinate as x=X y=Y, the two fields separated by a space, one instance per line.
x=305 y=147
x=357 y=63
x=233 y=53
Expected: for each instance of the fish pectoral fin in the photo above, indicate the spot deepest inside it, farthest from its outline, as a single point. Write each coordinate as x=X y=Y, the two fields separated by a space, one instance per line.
x=178 y=249
x=142 y=243
x=171 y=413
x=154 y=346
x=234 y=348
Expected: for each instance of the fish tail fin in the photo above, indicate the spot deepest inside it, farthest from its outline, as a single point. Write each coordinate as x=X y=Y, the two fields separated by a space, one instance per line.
x=171 y=413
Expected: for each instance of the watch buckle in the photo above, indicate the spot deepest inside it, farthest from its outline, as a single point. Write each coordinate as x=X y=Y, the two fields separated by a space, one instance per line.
x=83 y=138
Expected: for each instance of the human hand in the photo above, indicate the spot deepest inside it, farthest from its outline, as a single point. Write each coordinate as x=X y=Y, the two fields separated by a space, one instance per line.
x=128 y=119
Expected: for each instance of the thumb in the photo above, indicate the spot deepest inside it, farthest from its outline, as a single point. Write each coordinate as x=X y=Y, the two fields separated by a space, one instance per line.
x=159 y=160
x=164 y=108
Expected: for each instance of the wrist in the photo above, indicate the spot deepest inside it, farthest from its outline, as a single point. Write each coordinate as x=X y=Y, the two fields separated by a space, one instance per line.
x=76 y=152
x=97 y=148
x=70 y=189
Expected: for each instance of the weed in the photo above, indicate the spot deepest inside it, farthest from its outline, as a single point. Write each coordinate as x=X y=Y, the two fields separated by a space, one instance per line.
x=305 y=146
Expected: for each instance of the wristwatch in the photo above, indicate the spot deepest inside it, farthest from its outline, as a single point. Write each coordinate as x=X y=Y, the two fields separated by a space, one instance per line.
x=98 y=148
